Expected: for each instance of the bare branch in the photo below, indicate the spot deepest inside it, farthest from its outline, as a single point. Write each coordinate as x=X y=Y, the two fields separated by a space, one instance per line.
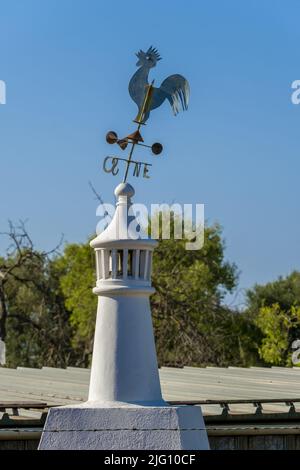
x=98 y=197
x=20 y=253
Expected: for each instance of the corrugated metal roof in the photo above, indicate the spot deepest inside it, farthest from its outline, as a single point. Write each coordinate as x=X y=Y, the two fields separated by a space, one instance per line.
x=66 y=386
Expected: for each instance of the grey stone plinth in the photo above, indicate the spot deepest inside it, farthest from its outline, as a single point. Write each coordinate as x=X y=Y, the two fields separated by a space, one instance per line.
x=125 y=428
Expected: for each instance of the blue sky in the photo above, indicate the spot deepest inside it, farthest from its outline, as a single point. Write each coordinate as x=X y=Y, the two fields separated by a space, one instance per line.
x=67 y=65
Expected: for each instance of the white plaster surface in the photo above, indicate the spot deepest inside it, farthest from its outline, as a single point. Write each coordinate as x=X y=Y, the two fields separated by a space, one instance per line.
x=124 y=366
x=125 y=428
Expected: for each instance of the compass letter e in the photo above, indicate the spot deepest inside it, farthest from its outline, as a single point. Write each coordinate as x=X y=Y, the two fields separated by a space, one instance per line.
x=2 y=92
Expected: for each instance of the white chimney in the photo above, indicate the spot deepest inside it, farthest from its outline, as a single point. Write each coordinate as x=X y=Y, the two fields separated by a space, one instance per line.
x=125 y=409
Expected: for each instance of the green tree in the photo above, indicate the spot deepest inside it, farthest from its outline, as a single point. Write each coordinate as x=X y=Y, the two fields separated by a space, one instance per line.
x=77 y=268
x=285 y=291
x=280 y=328
x=190 y=322
x=34 y=320
x=50 y=308
x=275 y=310
x=38 y=328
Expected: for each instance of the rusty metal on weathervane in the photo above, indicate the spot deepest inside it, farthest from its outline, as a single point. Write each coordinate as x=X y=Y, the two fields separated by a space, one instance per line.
x=175 y=89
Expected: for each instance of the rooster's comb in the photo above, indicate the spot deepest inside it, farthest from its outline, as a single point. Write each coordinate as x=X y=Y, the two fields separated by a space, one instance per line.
x=151 y=51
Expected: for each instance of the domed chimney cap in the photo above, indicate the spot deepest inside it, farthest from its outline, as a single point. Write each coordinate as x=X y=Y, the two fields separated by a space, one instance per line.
x=124 y=189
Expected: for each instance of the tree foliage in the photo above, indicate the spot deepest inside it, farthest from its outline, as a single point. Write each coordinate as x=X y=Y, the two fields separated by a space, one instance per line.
x=77 y=280
x=48 y=309
x=275 y=309
x=189 y=319
x=34 y=321
x=191 y=325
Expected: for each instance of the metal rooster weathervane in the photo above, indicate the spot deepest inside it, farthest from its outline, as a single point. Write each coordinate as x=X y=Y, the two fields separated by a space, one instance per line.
x=174 y=88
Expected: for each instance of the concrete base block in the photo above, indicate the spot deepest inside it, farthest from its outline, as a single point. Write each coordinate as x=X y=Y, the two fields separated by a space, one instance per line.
x=85 y=427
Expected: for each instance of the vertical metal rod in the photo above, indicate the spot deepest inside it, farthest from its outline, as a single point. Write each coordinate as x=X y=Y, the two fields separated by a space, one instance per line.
x=140 y=117
x=129 y=158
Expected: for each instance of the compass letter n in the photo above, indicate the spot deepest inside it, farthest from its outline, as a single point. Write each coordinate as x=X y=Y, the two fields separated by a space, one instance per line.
x=2 y=92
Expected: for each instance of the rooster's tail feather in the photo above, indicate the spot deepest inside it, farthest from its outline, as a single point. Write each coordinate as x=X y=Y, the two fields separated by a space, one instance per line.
x=177 y=90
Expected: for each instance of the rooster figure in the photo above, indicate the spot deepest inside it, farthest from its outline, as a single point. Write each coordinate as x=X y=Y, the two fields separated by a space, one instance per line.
x=175 y=88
